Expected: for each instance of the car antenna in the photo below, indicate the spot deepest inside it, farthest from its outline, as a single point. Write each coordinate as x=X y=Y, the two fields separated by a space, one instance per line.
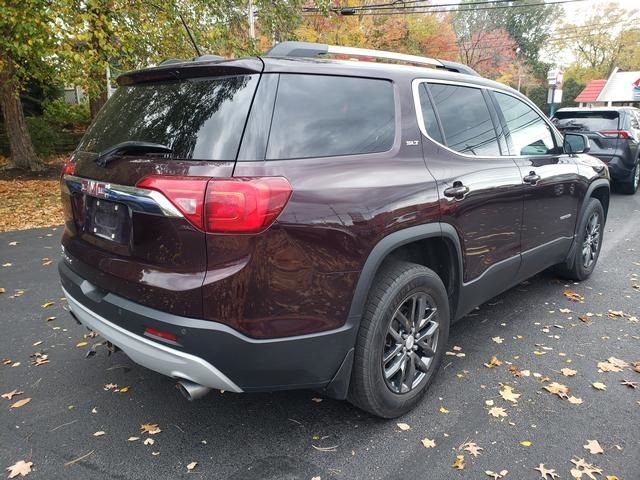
x=193 y=42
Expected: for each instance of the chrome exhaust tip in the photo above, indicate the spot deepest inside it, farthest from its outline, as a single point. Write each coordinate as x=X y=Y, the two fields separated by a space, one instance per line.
x=192 y=391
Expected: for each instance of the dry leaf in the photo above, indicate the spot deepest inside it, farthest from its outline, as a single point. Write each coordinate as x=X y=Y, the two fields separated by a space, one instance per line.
x=508 y=395
x=558 y=389
x=109 y=386
x=49 y=319
x=99 y=434
x=133 y=439
x=498 y=340
x=629 y=383
x=459 y=463
x=496 y=476
x=546 y=471
x=587 y=468
x=575 y=400
x=567 y=372
x=403 y=426
x=498 y=412
x=608 y=367
x=573 y=296
x=21 y=468
x=525 y=443
x=599 y=386
x=617 y=362
x=494 y=362
x=565 y=310
x=48 y=304
x=21 y=403
x=150 y=428
x=11 y=394
x=123 y=390
x=81 y=344
x=428 y=443
x=443 y=410
x=149 y=441
x=472 y=448
x=191 y=466
x=593 y=446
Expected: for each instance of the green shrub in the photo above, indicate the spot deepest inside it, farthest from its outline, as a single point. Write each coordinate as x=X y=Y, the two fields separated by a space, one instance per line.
x=43 y=135
x=66 y=115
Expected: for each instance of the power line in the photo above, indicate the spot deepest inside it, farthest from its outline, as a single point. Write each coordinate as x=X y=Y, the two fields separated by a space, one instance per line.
x=426 y=8
x=365 y=6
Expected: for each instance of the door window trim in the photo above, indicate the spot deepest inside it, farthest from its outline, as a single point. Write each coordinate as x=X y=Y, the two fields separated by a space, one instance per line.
x=418 y=108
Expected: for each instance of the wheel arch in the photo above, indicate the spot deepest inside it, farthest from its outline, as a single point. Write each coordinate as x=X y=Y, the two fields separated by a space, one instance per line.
x=398 y=244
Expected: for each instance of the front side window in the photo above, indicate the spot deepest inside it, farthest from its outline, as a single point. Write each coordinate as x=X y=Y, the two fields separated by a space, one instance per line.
x=465 y=118
x=528 y=134
x=321 y=116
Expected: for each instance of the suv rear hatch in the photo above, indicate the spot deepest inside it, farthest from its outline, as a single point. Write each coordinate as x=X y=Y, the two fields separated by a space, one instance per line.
x=601 y=126
x=169 y=129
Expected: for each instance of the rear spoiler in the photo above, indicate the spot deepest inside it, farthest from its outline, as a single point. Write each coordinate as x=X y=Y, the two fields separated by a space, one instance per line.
x=205 y=66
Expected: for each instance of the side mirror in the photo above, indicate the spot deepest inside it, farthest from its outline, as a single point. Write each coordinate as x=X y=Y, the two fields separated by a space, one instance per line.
x=576 y=143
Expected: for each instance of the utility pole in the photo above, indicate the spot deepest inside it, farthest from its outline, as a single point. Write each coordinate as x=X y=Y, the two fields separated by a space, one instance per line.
x=252 y=21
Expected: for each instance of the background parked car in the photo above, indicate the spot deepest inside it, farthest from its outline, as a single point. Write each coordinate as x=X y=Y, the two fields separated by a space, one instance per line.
x=614 y=133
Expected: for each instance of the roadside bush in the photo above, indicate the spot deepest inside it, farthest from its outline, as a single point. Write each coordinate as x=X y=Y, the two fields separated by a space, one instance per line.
x=66 y=115
x=43 y=135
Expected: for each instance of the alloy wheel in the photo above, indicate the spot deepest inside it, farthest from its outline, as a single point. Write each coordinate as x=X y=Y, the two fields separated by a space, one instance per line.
x=411 y=342
x=591 y=243
x=636 y=177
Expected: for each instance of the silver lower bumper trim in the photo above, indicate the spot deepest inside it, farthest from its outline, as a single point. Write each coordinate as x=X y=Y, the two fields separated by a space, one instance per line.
x=152 y=355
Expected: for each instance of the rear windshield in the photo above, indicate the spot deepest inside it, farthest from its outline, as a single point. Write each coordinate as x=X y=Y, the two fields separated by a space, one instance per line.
x=586 y=121
x=197 y=118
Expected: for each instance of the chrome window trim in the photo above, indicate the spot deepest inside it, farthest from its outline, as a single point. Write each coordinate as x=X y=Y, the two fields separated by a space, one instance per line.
x=137 y=199
x=415 y=85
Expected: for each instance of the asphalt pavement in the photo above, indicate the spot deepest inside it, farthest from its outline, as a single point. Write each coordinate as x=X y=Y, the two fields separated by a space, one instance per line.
x=302 y=435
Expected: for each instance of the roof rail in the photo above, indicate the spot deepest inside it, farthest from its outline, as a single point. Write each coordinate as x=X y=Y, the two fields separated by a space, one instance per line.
x=309 y=49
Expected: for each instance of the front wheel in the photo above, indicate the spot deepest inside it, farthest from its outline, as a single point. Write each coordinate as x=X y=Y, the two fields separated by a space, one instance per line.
x=401 y=340
x=589 y=243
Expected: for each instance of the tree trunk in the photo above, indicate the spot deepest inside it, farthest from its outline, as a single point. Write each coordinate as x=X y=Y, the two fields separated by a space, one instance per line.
x=23 y=155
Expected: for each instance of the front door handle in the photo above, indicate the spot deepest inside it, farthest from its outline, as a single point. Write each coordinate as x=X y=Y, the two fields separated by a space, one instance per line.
x=532 y=178
x=458 y=191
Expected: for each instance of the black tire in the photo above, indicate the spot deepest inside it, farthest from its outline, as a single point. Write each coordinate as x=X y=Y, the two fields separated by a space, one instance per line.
x=631 y=186
x=577 y=267
x=396 y=284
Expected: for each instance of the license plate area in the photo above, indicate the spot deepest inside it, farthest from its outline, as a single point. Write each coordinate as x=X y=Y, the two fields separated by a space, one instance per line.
x=107 y=220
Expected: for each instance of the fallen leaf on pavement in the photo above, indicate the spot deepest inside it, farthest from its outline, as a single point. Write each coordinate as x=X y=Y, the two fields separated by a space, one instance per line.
x=11 y=394
x=568 y=372
x=81 y=344
x=459 y=463
x=599 y=386
x=498 y=340
x=629 y=383
x=586 y=468
x=494 y=362
x=558 y=389
x=149 y=441
x=110 y=386
x=496 y=476
x=191 y=466
x=99 y=434
x=403 y=426
x=546 y=471
x=593 y=446
x=472 y=448
x=21 y=403
x=123 y=390
x=443 y=410
x=498 y=412
x=133 y=439
x=575 y=400
x=48 y=304
x=428 y=443
x=150 y=428
x=21 y=468
x=573 y=296
x=508 y=395
x=526 y=443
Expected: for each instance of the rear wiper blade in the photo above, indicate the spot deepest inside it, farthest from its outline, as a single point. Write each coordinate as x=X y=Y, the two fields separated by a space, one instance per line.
x=130 y=147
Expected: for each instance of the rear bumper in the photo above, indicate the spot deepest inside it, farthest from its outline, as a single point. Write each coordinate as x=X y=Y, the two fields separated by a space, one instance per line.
x=620 y=166
x=211 y=353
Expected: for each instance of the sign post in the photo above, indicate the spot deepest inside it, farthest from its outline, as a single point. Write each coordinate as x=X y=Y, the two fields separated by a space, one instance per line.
x=554 y=96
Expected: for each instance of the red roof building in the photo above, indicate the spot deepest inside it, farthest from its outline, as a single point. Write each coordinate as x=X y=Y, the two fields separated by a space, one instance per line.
x=591 y=92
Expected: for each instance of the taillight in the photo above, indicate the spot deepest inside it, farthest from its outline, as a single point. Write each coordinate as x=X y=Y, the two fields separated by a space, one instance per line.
x=186 y=193
x=226 y=205
x=624 y=134
x=161 y=334
x=69 y=168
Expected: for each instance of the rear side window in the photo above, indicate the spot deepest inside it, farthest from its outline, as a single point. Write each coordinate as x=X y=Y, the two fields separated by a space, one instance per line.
x=527 y=133
x=587 y=121
x=428 y=115
x=198 y=118
x=321 y=116
x=465 y=118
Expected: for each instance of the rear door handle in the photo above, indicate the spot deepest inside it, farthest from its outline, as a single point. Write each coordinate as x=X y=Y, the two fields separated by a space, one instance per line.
x=532 y=178
x=458 y=191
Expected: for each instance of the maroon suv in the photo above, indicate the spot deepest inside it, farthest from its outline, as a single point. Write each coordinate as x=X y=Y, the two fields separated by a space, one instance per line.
x=292 y=222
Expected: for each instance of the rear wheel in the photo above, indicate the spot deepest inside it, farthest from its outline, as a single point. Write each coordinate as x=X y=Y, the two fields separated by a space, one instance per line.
x=401 y=340
x=589 y=242
x=631 y=186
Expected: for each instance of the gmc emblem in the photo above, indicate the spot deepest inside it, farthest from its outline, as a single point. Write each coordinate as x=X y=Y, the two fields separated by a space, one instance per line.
x=95 y=189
